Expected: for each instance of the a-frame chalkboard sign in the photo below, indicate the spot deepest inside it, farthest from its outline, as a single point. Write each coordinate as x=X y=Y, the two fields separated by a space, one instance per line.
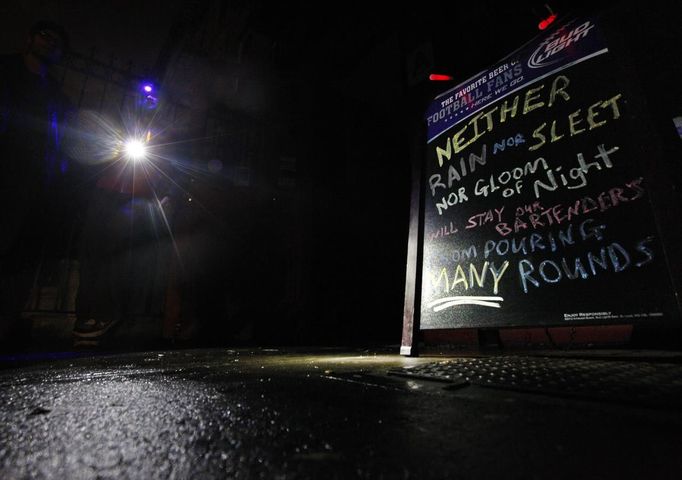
x=534 y=204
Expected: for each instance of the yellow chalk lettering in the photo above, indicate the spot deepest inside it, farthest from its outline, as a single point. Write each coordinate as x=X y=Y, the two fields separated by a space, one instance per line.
x=552 y=133
x=614 y=106
x=591 y=114
x=498 y=275
x=475 y=277
x=459 y=278
x=539 y=136
x=489 y=119
x=559 y=88
x=435 y=282
x=509 y=110
x=459 y=143
x=456 y=143
x=447 y=153
x=530 y=97
x=573 y=122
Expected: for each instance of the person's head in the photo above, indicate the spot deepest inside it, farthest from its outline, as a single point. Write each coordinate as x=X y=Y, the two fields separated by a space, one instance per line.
x=47 y=41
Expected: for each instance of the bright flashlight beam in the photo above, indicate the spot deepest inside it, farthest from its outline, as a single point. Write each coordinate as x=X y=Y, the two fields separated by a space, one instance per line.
x=135 y=150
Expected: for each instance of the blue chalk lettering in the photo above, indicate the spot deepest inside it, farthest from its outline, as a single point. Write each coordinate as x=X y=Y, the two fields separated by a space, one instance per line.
x=602 y=262
x=613 y=250
x=544 y=275
x=578 y=269
x=525 y=274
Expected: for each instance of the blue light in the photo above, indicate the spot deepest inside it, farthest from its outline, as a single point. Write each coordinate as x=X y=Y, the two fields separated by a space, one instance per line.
x=149 y=98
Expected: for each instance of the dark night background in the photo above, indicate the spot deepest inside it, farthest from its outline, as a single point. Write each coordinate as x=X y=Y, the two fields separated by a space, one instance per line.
x=313 y=113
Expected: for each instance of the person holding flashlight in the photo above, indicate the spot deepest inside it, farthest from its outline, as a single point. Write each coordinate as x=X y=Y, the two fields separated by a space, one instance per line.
x=122 y=249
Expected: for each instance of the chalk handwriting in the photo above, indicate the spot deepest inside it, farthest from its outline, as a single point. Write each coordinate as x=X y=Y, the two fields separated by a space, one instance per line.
x=575 y=120
x=535 y=216
x=550 y=241
x=453 y=198
x=513 y=141
x=577 y=176
x=443 y=231
x=484 y=121
x=482 y=218
x=495 y=182
x=612 y=257
x=529 y=208
x=477 y=277
x=455 y=255
x=447 y=302
x=454 y=175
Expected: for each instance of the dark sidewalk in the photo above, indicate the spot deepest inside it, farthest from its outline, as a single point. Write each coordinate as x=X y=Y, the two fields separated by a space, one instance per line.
x=340 y=414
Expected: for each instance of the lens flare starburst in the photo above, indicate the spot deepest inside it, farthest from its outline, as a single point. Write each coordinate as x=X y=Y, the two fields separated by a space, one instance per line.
x=143 y=155
x=135 y=150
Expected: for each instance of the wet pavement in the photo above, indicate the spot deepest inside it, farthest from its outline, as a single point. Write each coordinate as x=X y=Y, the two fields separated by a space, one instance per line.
x=277 y=414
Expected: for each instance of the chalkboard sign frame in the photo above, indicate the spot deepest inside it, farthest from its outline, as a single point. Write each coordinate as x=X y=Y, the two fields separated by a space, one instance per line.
x=555 y=86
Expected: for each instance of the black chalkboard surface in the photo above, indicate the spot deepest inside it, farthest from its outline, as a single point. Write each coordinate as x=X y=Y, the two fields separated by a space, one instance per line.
x=536 y=203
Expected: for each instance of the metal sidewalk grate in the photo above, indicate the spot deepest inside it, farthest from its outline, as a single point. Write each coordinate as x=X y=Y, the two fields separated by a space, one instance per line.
x=658 y=384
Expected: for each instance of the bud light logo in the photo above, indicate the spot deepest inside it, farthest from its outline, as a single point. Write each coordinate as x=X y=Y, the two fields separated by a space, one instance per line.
x=550 y=51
